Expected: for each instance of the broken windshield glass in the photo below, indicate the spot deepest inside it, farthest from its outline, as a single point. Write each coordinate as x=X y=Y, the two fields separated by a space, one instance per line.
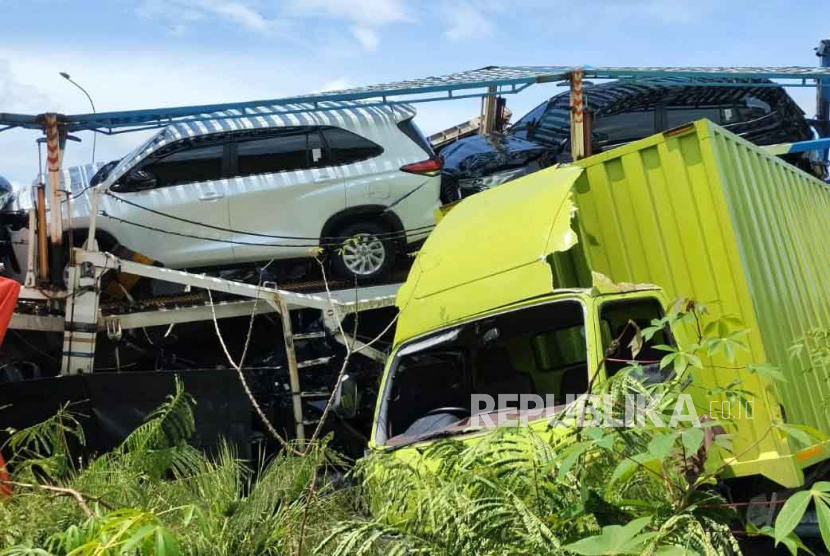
x=438 y=382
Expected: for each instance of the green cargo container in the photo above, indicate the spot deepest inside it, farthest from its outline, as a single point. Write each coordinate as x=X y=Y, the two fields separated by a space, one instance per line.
x=705 y=214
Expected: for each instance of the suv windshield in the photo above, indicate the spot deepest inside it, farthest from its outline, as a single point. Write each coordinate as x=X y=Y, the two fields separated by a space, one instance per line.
x=523 y=128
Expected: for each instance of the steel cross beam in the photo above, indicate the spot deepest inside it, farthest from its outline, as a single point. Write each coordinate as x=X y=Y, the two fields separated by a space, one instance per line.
x=483 y=82
x=799 y=147
x=344 y=301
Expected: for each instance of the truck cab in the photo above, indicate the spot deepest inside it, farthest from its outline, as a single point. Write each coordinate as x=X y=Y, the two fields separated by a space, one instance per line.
x=521 y=362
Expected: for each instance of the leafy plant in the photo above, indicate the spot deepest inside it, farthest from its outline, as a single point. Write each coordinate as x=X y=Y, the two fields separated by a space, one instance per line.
x=155 y=495
x=552 y=488
x=577 y=490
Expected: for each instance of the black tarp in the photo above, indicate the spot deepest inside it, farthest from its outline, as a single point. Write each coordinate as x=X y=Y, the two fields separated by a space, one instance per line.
x=113 y=404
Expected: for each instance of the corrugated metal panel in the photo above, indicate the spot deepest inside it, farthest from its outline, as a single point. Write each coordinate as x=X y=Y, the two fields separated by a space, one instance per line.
x=708 y=215
x=781 y=219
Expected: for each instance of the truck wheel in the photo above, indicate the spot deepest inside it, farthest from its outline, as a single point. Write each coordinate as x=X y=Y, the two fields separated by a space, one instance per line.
x=365 y=254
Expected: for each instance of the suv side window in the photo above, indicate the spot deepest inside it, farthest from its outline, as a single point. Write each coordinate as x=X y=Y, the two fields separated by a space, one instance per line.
x=677 y=116
x=319 y=156
x=187 y=165
x=281 y=153
x=347 y=147
x=625 y=127
x=524 y=128
x=274 y=151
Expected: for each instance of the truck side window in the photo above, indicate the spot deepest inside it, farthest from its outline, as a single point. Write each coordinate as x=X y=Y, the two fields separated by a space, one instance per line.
x=614 y=323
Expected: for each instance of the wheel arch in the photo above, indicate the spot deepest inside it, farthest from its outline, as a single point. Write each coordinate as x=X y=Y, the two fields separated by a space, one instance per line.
x=352 y=215
x=80 y=235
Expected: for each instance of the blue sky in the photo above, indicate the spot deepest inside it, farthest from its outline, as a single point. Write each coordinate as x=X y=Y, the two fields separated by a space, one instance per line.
x=133 y=54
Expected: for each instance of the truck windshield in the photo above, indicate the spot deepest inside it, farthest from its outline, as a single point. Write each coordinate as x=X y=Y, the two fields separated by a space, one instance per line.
x=537 y=350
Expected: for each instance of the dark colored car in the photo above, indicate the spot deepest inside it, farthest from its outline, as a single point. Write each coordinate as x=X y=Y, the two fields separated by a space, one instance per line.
x=621 y=112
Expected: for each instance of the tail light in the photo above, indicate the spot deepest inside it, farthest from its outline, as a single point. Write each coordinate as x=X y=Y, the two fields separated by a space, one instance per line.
x=429 y=167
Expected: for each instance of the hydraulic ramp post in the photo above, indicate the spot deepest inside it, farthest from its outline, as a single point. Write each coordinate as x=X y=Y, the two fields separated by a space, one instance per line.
x=55 y=141
x=580 y=129
x=823 y=97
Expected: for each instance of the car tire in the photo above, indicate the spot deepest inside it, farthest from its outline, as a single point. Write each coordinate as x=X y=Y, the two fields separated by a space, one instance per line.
x=364 y=254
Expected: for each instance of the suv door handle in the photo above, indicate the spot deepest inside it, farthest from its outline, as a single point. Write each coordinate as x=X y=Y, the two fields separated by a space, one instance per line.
x=322 y=177
x=211 y=196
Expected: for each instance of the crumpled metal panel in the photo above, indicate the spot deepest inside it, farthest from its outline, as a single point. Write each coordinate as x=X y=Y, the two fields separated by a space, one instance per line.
x=482 y=155
x=488 y=251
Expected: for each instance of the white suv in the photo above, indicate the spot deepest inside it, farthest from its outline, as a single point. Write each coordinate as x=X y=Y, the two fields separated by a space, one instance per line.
x=361 y=182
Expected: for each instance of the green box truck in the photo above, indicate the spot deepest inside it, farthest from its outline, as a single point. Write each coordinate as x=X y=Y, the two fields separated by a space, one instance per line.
x=696 y=210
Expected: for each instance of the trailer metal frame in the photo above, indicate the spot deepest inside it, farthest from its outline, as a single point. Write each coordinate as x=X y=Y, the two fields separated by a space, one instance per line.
x=83 y=320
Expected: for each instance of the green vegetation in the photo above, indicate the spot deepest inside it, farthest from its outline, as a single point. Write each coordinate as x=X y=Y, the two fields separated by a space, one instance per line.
x=156 y=495
x=584 y=490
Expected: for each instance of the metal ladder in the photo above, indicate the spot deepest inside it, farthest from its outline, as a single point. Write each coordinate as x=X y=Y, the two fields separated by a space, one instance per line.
x=331 y=318
x=294 y=366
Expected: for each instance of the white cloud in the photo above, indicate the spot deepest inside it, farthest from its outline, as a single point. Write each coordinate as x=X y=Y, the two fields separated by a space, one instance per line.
x=16 y=96
x=465 y=21
x=239 y=13
x=18 y=163
x=366 y=17
x=371 y=13
x=364 y=20
x=366 y=36
x=180 y=13
x=335 y=85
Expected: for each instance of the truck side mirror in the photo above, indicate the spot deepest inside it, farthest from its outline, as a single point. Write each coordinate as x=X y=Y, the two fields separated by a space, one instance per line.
x=346 y=398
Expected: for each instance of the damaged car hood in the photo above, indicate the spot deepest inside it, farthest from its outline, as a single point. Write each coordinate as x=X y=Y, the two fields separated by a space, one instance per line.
x=481 y=155
x=489 y=251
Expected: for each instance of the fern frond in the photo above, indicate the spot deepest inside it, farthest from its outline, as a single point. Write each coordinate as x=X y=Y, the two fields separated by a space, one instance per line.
x=46 y=444
x=170 y=424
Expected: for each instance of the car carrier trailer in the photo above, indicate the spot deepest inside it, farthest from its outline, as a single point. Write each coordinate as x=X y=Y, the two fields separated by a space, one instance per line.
x=67 y=298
